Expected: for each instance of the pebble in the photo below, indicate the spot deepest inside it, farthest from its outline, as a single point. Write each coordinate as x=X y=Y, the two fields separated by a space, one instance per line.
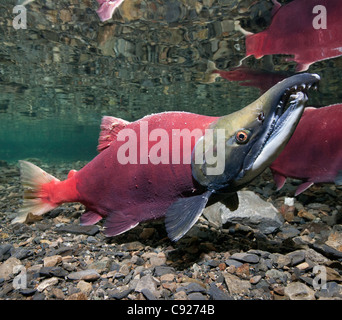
x=85 y=287
x=235 y=285
x=245 y=257
x=7 y=268
x=78 y=229
x=87 y=275
x=47 y=283
x=52 y=260
x=147 y=282
x=299 y=291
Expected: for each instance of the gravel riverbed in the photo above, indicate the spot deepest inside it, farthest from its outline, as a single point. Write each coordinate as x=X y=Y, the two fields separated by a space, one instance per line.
x=54 y=258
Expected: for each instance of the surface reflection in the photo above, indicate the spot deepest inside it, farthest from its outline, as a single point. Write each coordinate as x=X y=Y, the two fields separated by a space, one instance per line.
x=151 y=56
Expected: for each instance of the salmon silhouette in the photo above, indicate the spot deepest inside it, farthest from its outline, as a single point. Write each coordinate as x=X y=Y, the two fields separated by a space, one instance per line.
x=310 y=30
x=261 y=79
x=314 y=153
x=171 y=164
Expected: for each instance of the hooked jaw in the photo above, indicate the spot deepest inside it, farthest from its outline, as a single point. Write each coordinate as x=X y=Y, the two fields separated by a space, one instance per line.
x=287 y=101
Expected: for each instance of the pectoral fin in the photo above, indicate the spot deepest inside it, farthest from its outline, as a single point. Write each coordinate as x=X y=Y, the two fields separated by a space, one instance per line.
x=183 y=214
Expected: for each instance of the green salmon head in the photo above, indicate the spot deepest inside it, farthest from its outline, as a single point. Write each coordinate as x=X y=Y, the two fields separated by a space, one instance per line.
x=238 y=147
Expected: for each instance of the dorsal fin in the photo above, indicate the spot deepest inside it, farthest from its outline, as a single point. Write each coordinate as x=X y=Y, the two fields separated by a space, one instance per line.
x=110 y=127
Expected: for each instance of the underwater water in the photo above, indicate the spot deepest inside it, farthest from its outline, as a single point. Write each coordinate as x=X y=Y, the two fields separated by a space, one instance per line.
x=66 y=69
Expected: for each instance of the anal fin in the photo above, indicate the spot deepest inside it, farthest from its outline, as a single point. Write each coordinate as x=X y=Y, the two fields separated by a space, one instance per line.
x=303 y=187
x=119 y=222
x=183 y=214
x=279 y=179
x=89 y=218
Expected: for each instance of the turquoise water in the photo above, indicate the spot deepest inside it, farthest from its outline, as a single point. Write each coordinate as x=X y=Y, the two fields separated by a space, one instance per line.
x=67 y=69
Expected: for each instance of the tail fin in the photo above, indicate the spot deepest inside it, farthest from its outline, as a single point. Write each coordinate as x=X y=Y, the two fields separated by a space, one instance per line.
x=33 y=178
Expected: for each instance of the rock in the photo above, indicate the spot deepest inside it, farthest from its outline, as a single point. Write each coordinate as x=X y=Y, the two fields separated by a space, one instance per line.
x=7 y=268
x=78 y=229
x=296 y=257
x=47 y=283
x=235 y=285
x=161 y=270
x=133 y=246
x=245 y=257
x=21 y=253
x=148 y=282
x=87 y=275
x=52 y=260
x=120 y=294
x=327 y=251
x=58 y=272
x=5 y=251
x=217 y=294
x=77 y=296
x=255 y=279
x=299 y=291
x=192 y=287
x=332 y=275
x=315 y=257
x=147 y=233
x=100 y=266
x=252 y=211
x=232 y=262
x=330 y=290
x=181 y=295
x=148 y=294
x=280 y=260
x=275 y=275
x=287 y=232
x=157 y=261
x=28 y=291
x=334 y=240
x=85 y=287
x=196 y=296
x=306 y=215
x=168 y=277
x=56 y=293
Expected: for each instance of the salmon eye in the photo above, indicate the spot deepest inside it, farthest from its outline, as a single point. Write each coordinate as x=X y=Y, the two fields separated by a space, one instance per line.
x=241 y=136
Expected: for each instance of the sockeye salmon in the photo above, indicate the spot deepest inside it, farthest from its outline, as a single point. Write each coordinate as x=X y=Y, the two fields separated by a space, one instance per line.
x=170 y=164
x=314 y=153
x=309 y=30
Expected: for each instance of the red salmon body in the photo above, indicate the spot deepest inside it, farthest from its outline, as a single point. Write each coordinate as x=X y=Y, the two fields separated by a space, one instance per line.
x=130 y=193
x=314 y=152
x=142 y=168
x=310 y=30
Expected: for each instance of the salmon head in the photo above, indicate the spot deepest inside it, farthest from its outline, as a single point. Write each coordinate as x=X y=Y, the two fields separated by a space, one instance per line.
x=239 y=146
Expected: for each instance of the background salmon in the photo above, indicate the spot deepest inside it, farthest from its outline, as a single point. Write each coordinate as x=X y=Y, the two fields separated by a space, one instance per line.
x=107 y=8
x=314 y=153
x=292 y=32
